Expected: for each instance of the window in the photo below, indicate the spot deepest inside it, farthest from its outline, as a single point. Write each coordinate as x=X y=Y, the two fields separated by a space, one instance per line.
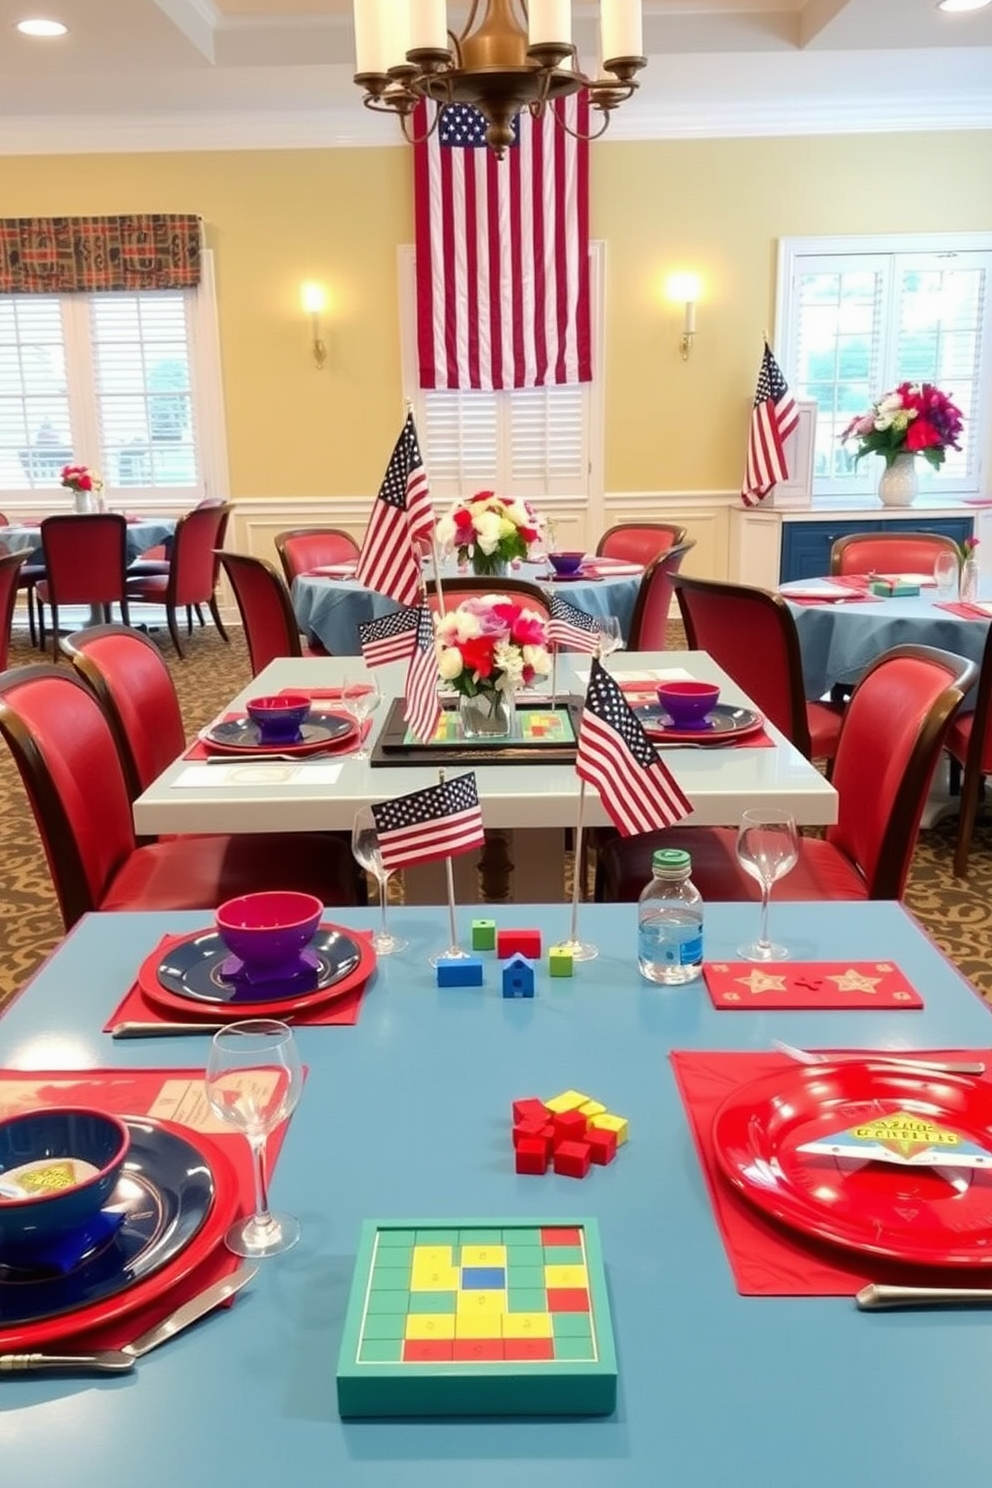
x=127 y=382
x=858 y=316
x=543 y=444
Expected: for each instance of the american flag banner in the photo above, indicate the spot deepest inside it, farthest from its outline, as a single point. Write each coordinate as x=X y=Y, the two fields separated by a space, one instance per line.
x=440 y=821
x=571 y=629
x=422 y=706
x=390 y=637
x=401 y=515
x=616 y=756
x=502 y=250
x=773 y=418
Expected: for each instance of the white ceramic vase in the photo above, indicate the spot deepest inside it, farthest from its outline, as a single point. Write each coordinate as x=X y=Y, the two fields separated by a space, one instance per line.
x=899 y=484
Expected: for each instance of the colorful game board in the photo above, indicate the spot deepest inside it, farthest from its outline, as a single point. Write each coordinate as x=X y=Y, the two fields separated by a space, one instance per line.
x=479 y=1317
x=531 y=726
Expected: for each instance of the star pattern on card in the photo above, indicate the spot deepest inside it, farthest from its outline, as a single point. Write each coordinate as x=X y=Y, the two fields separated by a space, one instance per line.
x=731 y=997
x=854 y=981
x=760 y=981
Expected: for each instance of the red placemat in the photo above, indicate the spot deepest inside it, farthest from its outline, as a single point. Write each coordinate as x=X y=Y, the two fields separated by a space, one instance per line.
x=202 y=750
x=766 y=1260
x=963 y=610
x=831 y=599
x=745 y=986
x=175 y=1095
x=135 y=1007
x=864 y=581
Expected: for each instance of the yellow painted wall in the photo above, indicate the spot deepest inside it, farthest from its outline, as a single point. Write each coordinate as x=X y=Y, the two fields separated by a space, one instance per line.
x=276 y=218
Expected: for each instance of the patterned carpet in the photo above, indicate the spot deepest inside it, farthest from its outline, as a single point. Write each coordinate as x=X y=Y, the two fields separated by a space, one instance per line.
x=958 y=915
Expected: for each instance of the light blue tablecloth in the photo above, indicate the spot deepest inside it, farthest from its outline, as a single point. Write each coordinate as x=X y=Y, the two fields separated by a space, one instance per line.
x=331 y=610
x=408 y=1114
x=141 y=536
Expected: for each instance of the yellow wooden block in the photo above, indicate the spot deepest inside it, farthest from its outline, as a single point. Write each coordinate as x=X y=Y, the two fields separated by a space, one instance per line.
x=616 y=1124
x=565 y=1276
x=478 y=1324
x=569 y=1100
x=432 y=1255
x=430 y=1325
x=483 y=1255
x=593 y=1108
x=480 y=1301
x=527 y=1325
x=435 y=1279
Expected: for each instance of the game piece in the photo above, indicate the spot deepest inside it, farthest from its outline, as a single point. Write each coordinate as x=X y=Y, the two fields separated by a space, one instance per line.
x=542 y=1130
x=441 y=1310
x=602 y=1145
x=483 y=935
x=518 y=942
x=615 y=1124
x=572 y=1159
x=532 y=1155
x=464 y=971
x=569 y=1100
x=569 y=1126
x=561 y=962
x=518 y=977
x=530 y=1109
x=593 y=1108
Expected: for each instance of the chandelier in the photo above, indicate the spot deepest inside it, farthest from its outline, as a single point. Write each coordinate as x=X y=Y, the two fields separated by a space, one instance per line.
x=499 y=64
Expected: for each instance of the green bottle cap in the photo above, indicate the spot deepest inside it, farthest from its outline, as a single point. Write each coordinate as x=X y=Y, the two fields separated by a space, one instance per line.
x=671 y=860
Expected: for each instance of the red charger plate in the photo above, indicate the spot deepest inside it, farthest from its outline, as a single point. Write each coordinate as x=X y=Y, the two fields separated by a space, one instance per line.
x=728 y=724
x=909 y=1214
x=340 y=745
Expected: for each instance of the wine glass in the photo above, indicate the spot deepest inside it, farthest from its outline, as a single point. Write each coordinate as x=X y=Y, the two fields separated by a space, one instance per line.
x=367 y=854
x=253 y=1082
x=610 y=636
x=768 y=849
x=361 y=697
x=945 y=572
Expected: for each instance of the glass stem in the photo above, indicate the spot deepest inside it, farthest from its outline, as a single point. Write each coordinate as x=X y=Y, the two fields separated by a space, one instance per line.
x=383 y=882
x=766 y=894
x=257 y=1144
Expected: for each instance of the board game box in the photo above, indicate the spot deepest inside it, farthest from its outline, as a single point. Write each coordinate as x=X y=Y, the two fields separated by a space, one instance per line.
x=477 y=1317
x=543 y=733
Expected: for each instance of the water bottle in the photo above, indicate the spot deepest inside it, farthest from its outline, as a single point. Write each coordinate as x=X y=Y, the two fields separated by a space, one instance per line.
x=670 y=922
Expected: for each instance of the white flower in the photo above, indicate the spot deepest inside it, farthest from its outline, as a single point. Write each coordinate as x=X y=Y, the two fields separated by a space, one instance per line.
x=890 y=404
x=510 y=662
x=538 y=658
x=487 y=527
x=445 y=531
x=450 y=663
x=506 y=527
x=467 y=625
x=884 y=421
x=518 y=514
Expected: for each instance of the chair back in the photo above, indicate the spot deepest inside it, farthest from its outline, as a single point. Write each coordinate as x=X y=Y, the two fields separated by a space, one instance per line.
x=639 y=542
x=649 y=624
x=65 y=751
x=890 y=740
x=266 y=609
x=752 y=635
x=517 y=591
x=128 y=674
x=889 y=552
x=193 y=566
x=85 y=558
x=303 y=548
x=10 y=572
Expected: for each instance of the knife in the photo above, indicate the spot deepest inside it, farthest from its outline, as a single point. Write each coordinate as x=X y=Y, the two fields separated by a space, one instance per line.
x=874 y=1297
x=119 y=1361
x=162 y=1030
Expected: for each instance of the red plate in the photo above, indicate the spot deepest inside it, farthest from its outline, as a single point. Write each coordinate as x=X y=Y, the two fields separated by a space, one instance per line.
x=224 y=1210
x=726 y=724
x=220 y=1012
x=242 y=737
x=909 y=1214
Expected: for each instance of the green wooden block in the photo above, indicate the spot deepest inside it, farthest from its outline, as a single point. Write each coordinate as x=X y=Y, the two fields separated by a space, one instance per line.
x=421 y=1302
x=438 y=1237
x=526 y=1299
x=574 y=1348
x=523 y=1277
x=383 y=1325
x=560 y=961
x=388 y=1301
x=381 y=1351
x=571 y=1325
x=483 y=935
x=481 y=1237
x=563 y=1255
x=394 y=1239
x=391 y=1278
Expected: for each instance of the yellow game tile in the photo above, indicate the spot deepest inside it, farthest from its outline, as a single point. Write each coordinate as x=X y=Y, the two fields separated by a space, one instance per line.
x=478 y=1325
x=565 y=1276
x=483 y=1255
x=527 y=1325
x=430 y=1325
x=481 y=1301
x=593 y=1108
x=569 y=1100
x=432 y=1255
x=435 y=1279
x=616 y=1124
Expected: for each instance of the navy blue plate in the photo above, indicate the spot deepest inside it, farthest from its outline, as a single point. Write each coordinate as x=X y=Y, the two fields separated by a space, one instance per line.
x=166 y=1193
x=318 y=730
x=197 y=969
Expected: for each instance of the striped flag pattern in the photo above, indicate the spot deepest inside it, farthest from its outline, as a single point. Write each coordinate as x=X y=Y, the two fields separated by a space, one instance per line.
x=773 y=418
x=616 y=756
x=422 y=707
x=440 y=821
x=502 y=250
x=401 y=515
x=389 y=637
x=571 y=629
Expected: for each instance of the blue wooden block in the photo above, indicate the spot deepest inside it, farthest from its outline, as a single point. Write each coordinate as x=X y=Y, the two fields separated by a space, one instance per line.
x=464 y=972
x=518 y=977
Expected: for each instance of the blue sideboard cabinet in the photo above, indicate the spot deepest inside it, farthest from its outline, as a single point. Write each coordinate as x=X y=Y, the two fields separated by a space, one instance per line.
x=805 y=547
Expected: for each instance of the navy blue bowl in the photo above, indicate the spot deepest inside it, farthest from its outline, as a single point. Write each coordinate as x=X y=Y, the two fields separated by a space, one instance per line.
x=53 y=1138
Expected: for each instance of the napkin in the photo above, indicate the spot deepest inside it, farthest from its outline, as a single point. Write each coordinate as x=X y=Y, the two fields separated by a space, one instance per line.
x=965 y=610
x=610 y=567
x=331 y=571
x=744 y=986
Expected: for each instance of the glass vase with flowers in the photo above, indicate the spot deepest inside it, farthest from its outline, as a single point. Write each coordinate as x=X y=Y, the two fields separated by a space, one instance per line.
x=487 y=649
x=968 y=571
x=489 y=532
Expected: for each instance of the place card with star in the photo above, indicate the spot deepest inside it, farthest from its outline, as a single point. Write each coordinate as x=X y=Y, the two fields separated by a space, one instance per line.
x=740 y=986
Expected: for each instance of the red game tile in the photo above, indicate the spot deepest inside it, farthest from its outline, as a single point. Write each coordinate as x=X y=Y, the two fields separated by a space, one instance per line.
x=530 y=1109
x=528 y=1348
x=568 y=1299
x=552 y=1236
x=471 y=1350
x=427 y=1350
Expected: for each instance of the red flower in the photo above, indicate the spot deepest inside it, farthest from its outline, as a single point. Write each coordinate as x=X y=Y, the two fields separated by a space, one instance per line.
x=463 y=517
x=477 y=654
x=528 y=630
x=922 y=434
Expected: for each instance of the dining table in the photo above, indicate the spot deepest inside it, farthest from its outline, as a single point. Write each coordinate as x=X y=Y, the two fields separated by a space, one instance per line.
x=329 y=609
x=142 y=533
x=405 y=1118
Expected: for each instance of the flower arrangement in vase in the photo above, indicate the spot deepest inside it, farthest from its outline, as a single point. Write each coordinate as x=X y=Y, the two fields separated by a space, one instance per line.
x=968 y=570
x=486 y=649
x=489 y=531
x=85 y=483
x=914 y=419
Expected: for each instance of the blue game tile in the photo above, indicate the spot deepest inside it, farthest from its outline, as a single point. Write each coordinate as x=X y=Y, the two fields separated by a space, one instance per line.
x=483 y=1278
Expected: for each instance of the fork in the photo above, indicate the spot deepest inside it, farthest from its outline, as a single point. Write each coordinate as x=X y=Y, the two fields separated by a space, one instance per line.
x=903 y=1059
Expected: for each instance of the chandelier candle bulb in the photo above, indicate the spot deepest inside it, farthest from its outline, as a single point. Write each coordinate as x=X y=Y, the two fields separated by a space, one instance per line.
x=429 y=26
x=373 y=44
x=621 y=29
x=549 y=21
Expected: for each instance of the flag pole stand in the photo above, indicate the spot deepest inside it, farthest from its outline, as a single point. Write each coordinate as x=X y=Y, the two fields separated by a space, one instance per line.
x=454 y=951
x=582 y=950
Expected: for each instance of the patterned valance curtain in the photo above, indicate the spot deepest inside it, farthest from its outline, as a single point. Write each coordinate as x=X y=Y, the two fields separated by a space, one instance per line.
x=57 y=255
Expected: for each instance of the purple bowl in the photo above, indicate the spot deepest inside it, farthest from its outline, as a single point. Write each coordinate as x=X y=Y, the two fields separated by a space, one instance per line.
x=44 y=1147
x=566 y=563
x=269 y=932
x=688 y=703
x=278 y=719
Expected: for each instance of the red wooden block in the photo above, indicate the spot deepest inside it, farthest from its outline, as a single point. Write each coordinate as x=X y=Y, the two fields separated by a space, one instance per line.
x=531 y=1155
x=551 y=1235
x=530 y=1109
x=572 y=1159
x=568 y=1299
x=427 y=1350
x=602 y=1144
x=569 y=1126
x=475 y=1350
x=526 y=942
x=539 y=1130
x=528 y=1348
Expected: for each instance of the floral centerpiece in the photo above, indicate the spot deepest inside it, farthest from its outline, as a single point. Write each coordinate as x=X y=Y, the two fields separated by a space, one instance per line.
x=84 y=482
x=489 y=531
x=486 y=649
x=912 y=420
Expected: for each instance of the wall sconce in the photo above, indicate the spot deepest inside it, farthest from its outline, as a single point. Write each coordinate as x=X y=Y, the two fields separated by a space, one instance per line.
x=314 y=298
x=684 y=289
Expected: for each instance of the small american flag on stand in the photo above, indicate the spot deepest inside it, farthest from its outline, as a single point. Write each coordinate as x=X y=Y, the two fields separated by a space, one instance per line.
x=423 y=707
x=570 y=628
x=773 y=419
x=616 y=756
x=401 y=515
x=438 y=822
x=390 y=637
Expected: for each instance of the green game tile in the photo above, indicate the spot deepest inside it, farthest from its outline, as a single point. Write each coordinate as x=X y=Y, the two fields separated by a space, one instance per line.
x=433 y=1302
x=527 y=1255
x=480 y=1237
x=381 y=1351
x=525 y=1300
x=574 y=1349
x=525 y=1277
x=384 y=1325
x=439 y=1237
x=391 y=1278
x=392 y=1238
x=388 y=1301
x=522 y=1235
x=564 y=1255
x=571 y=1325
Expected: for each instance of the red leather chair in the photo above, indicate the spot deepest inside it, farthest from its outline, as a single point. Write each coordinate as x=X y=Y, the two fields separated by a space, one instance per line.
x=517 y=591
x=649 y=623
x=85 y=564
x=192 y=570
x=970 y=743
x=889 y=552
x=304 y=548
x=639 y=542
x=156 y=560
x=65 y=749
x=266 y=609
x=894 y=729
x=10 y=567
x=752 y=635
